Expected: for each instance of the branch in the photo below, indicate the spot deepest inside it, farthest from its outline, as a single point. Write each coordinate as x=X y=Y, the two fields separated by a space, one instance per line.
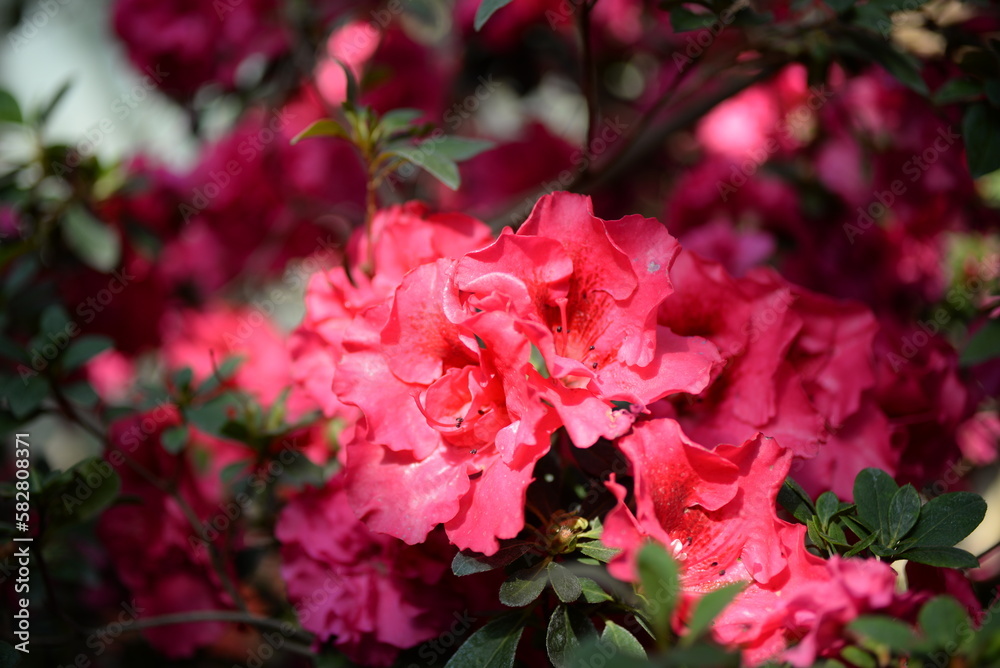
x=635 y=149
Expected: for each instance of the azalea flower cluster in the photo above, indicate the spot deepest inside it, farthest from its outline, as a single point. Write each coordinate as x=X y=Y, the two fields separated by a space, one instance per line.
x=458 y=359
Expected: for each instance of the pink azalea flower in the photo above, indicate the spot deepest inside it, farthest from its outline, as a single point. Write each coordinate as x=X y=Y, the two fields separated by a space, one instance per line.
x=716 y=512
x=456 y=412
x=366 y=590
x=799 y=369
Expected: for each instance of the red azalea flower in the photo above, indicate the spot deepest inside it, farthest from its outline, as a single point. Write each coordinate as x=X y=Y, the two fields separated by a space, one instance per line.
x=456 y=413
x=715 y=511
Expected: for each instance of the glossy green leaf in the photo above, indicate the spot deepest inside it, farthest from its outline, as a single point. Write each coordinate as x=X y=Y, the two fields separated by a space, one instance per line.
x=622 y=640
x=175 y=438
x=827 y=506
x=861 y=545
x=593 y=592
x=467 y=563
x=493 y=646
x=957 y=90
x=947 y=519
x=904 y=509
x=873 y=492
x=398 y=119
x=981 y=132
x=83 y=350
x=436 y=164
x=565 y=583
x=796 y=500
x=859 y=657
x=459 y=148
x=941 y=620
x=983 y=346
x=943 y=557
x=598 y=550
x=524 y=586
x=567 y=629
x=884 y=631
x=322 y=128
x=81 y=393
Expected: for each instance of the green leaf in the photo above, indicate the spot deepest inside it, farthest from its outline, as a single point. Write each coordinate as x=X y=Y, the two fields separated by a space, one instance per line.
x=622 y=640
x=81 y=393
x=82 y=492
x=567 y=629
x=23 y=397
x=815 y=535
x=795 y=500
x=861 y=545
x=10 y=111
x=398 y=119
x=175 y=438
x=981 y=135
x=940 y=620
x=859 y=529
x=983 y=346
x=182 y=378
x=322 y=128
x=104 y=494
x=466 y=564
x=524 y=586
x=884 y=631
x=436 y=164
x=684 y=20
x=85 y=349
x=492 y=646
x=957 y=90
x=55 y=320
x=598 y=550
x=708 y=608
x=904 y=509
x=827 y=506
x=211 y=416
x=20 y=275
x=593 y=592
x=231 y=472
x=459 y=148
x=873 y=492
x=947 y=519
x=835 y=534
x=566 y=585
x=486 y=10
x=96 y=244
x=874 y=18
x=658 y=573
x=943 y=557
x=859 y=657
